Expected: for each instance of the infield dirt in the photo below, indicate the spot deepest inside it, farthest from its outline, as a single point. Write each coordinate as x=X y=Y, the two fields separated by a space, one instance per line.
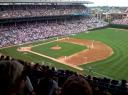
x=95 y=51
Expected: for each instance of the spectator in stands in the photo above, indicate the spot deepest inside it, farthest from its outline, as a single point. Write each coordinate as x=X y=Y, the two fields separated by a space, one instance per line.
x=47 y=85
x=13 y=79
x=76 y=85
x=1 y=57
x=10 y=81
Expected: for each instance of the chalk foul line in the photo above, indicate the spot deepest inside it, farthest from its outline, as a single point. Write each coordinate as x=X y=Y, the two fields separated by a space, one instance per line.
x=70 y=65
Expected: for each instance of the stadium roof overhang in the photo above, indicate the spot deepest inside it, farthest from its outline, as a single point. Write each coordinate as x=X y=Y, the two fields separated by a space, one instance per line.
x=2 y=2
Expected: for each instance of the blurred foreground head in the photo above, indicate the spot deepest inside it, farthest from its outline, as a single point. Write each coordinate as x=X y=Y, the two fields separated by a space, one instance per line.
x=10 y=72
x=76 y=85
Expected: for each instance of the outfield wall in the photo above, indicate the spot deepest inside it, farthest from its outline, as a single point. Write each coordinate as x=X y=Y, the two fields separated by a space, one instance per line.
x=99 y=28
x=112 y=26
x=118 y=26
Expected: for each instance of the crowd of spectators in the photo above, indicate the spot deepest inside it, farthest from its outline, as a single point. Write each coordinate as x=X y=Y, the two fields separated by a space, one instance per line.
x=14 y=11
x=22 y=78
x=121 y=21
x=13 y=34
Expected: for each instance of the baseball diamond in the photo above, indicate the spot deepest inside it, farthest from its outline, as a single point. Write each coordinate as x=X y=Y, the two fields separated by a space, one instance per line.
x=97 y=49
x=63 y=47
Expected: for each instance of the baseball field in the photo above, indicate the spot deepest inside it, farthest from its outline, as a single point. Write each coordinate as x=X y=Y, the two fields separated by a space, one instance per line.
x=102 y=52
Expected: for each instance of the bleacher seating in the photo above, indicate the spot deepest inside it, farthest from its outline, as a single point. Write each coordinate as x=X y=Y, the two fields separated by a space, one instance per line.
x=42 y=78
x=14 y=34
x=121 y=21
x=20 y=11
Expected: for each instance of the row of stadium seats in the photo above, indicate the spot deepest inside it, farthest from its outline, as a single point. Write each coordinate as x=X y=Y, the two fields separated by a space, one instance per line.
x=13 y=34
x=23 y=78
x=16 y=11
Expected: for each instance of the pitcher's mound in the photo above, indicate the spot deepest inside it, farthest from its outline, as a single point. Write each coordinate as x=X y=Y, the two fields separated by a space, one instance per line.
x=56 y=47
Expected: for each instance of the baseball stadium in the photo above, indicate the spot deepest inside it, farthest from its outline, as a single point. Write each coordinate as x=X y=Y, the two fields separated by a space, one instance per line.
x=61 y=39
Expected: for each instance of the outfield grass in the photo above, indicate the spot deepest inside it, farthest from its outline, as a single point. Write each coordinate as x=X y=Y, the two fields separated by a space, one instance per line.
x=114 y=67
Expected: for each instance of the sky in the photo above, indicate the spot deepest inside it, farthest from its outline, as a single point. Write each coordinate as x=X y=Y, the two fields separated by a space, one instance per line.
x=109 y=3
